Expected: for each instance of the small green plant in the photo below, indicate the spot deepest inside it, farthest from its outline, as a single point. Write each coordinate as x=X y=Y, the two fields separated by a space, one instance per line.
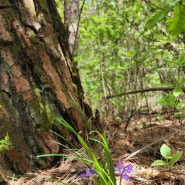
x=174 y=102
x=5 y=144
x=169 y=158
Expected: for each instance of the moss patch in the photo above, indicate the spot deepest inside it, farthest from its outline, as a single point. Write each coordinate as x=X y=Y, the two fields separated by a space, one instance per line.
x=35 y=40
x=44 y=5
x=7 y=105
x=41 y=111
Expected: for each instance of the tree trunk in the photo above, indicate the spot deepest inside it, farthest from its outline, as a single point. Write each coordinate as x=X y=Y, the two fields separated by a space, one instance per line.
x=38 y=82
x=71 y=18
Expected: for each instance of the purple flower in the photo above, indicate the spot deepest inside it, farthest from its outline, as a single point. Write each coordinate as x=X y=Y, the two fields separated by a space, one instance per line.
x=88 y=173
x=123 y=170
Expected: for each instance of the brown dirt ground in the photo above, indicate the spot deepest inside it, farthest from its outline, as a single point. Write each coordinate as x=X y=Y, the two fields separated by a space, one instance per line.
x=139 y=147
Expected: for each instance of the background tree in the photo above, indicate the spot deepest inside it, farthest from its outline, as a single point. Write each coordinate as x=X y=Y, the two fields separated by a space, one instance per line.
x=71 y=20
x=127 y=46
x=38 y=82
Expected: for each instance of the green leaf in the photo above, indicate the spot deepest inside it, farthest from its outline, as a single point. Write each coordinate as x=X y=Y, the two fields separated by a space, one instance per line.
x=159 y=163
x=176 y=157
x=165 y=151
x=177 y=22
x=160 y=117
x=177 y=91
x=139 y=126
x=167 y=100
x=7 y=137
x=178 y=116
x=156 y=17
x=181 y=60
x=172 y=2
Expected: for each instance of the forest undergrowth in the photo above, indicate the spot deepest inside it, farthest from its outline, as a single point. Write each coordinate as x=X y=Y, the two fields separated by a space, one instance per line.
x=138 y=146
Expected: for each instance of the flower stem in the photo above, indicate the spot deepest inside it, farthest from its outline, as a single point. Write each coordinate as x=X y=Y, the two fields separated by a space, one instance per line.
x=120 y=180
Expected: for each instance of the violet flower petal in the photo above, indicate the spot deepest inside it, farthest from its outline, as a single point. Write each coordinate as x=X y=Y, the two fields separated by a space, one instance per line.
x=91 y=172
x=84 y=175
x=129 y=168
x=123 y=170
x=88 y=173
x=125 y=176
x=120 y=165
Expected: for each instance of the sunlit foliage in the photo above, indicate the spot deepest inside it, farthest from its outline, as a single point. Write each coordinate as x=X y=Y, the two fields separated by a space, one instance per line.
x=127 y=45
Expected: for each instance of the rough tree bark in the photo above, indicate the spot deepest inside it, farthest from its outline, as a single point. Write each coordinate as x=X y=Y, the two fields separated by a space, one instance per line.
x=38 y=81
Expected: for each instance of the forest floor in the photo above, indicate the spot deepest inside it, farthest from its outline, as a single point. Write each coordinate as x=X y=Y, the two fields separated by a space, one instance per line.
x=138 y=146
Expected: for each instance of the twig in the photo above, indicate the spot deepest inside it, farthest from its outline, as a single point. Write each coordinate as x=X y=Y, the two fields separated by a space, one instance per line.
x=3 y=176
x=147 y=146
x=128 y=120
x=144 y=90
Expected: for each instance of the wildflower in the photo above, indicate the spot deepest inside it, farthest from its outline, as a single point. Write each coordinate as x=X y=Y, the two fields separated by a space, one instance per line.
x=88 y=173
x=123 y=170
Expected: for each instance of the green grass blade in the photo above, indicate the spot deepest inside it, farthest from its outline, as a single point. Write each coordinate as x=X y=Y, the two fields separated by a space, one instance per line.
x=66 y=125
x=108 y=158
x=84 y=160
x=99 y=150
x=63 y=138
x=102 y=174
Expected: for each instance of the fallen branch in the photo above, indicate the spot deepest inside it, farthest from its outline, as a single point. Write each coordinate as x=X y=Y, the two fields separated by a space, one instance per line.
x=144 y=90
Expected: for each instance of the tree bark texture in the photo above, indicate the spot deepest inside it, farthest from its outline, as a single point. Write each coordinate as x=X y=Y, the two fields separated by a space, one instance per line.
x=38 y=82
